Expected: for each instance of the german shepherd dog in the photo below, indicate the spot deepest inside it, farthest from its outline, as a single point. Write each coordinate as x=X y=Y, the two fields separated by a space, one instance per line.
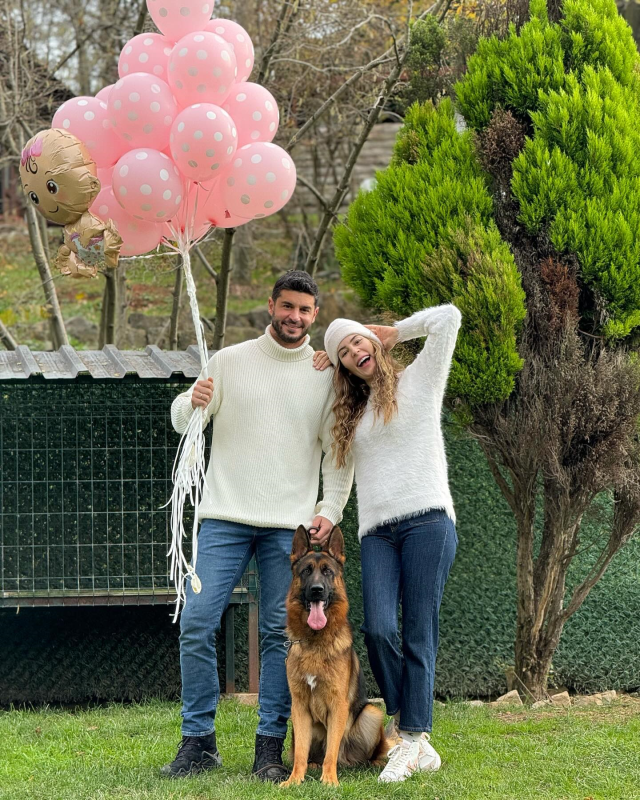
x=333 y=723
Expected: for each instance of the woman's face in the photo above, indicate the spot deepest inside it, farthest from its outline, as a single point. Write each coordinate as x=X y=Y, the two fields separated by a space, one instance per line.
x=356 y=354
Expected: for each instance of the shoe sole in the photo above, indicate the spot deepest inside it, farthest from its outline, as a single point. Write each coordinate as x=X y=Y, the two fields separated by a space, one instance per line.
x=426 y=764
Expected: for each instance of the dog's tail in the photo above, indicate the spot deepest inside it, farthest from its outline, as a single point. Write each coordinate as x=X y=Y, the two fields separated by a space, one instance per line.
x=366 y=740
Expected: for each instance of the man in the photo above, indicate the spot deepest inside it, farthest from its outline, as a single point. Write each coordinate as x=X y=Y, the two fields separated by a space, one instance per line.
x=272 y=420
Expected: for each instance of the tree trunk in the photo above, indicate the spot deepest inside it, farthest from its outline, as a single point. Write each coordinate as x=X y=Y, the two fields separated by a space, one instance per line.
x=56 y=323
x=244 y=261
x=222 y=289
x=108 y=312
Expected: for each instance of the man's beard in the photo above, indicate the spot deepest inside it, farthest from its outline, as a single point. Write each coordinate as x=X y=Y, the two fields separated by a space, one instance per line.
x=287 y=337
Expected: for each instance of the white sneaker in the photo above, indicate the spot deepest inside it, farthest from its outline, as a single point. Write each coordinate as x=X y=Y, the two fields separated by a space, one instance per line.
x=409 y=757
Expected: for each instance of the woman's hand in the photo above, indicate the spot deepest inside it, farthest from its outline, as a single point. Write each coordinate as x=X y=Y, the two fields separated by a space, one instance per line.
x=202 y=394
x=321 y=360
x=387 y=334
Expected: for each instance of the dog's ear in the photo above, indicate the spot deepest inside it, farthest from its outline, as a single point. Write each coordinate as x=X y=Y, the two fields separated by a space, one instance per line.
x=335 y=545
x=301 y=544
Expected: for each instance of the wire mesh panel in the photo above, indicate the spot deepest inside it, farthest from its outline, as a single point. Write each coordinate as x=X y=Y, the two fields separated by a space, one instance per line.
x=85 y=473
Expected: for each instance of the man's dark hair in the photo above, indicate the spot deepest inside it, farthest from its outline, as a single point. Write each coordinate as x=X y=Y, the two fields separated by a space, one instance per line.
x=296 y=281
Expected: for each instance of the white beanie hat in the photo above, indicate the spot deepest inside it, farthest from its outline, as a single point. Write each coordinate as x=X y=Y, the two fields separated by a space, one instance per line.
x=336 y=332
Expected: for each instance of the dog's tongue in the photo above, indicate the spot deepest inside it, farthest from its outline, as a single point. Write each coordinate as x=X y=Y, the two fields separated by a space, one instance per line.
x=317 y=619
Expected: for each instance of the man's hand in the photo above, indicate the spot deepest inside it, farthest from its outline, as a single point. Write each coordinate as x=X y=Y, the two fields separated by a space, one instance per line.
x=387 y=334
x=202 y=394
x=320 y=529
x=321 y=360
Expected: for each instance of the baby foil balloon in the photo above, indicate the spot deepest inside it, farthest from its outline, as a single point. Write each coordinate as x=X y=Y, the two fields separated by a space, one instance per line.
x=60 y=179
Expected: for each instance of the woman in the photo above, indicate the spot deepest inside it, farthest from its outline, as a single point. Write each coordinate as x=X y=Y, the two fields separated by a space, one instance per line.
x=388 y=420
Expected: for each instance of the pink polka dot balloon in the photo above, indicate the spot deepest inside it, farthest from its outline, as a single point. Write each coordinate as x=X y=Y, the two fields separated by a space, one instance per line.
x=203 y=140
x=191 y=216
x=103 y=94
x=176 y=18
x=254 y=111
x=87 y=119
x=147 y=185
x=215 y=209
x=259 y=182
x=202 y=69
x=239 y=40
x=138 y=237
x=142 y=110
x=104 y=176
x=147 y=52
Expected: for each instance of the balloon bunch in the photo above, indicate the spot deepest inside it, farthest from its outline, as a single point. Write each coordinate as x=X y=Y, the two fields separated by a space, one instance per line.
x=181 y=142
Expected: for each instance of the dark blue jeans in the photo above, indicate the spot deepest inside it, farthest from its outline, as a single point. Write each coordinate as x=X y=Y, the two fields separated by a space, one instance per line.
x=406 y=563
x=224 y=550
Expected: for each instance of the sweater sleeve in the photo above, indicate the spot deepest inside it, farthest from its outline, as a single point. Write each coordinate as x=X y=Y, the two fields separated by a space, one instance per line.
x=181 y=408
x=440 y=324
x=336 y=482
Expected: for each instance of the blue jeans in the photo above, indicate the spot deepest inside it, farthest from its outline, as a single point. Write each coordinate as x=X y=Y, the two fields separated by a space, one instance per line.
x=406 y=562
x=224 y=550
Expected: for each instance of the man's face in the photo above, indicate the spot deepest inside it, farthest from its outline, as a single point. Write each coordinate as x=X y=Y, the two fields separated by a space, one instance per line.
x=292 y=314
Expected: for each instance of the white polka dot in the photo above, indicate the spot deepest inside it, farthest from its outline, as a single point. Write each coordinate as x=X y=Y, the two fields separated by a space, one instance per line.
x=251 y=180
x=83 y=102
x=237 y=163
x=172 y=67
x=257 y=116
x=224 y=55
x=132 y=116
x=247 y=63
x=168 y=120
x=167 y=51
x=198 y=38
x=268 y=105
x=148 y=128
x=205 y=8
x=178 y=199
x=286 y=163
x=180 y=127
x=215 y=166
x=201 y=55
x=103 y=105
x=192 y=71
x=103 y=210
x=255 y=135
x=141 y=156
x=230 y=150
x=198 y=134
x=157 y=70
x=234 y=132
x=161 y=214
x=284 y=194
x=146 y=207
x=66 y=123
x=145 y=189
x=155 y=107
x=105 y=123
x=231 y=181
x=217 y=136
x=143 y=58
x=134 y=97
x=211 y=115
x=148 y=42
x=240 y=37
x=126 y=136
x=192 y=163
x=201 y=88
x=256 y=159
x=182 y=52
x=125 y=68
x=122 y=190
x=270 y=177
x=268 y=204
x=185 y=147
x=241 y=97
x=164 y=175
x=184 y=11
x=222 y=89
x=155 y=88
x=220 y=29
x=216 y=72
x=166 y=195
x=245 y=199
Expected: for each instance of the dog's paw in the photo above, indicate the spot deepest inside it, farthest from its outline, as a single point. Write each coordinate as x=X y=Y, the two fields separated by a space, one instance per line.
x=291 y=781
x=314 y=765
x=329 y=779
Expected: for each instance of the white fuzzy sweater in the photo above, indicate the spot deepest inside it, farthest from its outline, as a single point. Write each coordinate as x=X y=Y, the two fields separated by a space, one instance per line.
x=401 y=467
x=272 y=421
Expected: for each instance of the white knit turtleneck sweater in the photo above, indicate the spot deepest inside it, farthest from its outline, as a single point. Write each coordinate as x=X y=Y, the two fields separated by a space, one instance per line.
x=401 y=467
x=272 y=421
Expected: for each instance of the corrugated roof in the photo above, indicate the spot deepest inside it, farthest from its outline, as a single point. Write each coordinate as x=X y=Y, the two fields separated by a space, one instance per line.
x=67 y=362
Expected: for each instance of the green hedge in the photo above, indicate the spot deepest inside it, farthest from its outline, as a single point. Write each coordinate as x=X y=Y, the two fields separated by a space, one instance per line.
x=75 y=655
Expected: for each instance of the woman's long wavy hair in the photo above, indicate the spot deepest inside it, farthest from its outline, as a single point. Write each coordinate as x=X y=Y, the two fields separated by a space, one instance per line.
x=352 y=395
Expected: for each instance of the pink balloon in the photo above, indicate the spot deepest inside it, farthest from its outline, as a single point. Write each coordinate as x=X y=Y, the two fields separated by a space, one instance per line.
x=87 y=119
x=241 y=42
x=216 y=211
x=191 y=215
x=104 y=176
x=147 y=52
x=142 y=109
x=147 y=184
x=203 y=140
x=176 y=18
x=138 y=237
x=202 y=69
x=103 y=94
x=254 y=111
x=259 y=182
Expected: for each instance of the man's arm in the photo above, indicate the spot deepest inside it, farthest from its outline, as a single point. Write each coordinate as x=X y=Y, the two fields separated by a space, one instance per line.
x=184 y=405
x=336 y=484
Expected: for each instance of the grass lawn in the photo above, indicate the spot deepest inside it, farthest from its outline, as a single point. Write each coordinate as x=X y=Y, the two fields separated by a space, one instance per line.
x=115 y=752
